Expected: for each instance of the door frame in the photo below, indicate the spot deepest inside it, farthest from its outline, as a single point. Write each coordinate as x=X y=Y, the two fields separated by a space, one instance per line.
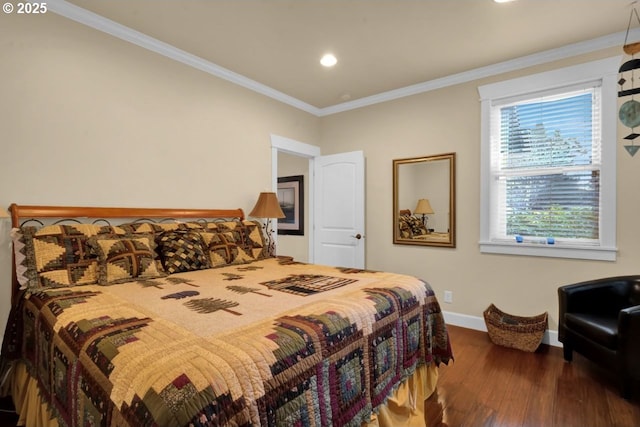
x=280 y=144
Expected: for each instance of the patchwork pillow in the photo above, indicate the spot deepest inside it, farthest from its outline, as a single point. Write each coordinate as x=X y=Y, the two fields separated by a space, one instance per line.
x=248 y=235
x=405 y=227
x=183 y=251
x=224 y=250
x=20 y=257
x=57 y=255
x=124 y=259
x=255 y=241
x=417 y=226
x=212 y=226
x=158 y=227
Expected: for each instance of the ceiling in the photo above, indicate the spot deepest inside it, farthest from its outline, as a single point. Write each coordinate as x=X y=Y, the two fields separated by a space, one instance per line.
x=381 y=45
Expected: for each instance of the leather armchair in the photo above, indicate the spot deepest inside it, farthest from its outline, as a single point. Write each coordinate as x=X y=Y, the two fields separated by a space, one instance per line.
x=600 y=319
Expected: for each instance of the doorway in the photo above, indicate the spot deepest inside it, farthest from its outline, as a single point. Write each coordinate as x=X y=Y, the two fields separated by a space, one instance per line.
x=335 y=207
x=293 y=153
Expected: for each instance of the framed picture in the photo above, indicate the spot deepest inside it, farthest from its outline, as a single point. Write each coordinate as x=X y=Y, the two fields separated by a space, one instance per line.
x=291 y=199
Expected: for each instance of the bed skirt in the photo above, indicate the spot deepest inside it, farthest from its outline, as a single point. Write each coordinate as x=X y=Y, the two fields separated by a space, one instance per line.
x=405 y=407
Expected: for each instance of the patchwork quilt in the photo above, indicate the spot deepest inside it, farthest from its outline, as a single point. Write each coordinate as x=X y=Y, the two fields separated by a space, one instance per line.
x=268 y=343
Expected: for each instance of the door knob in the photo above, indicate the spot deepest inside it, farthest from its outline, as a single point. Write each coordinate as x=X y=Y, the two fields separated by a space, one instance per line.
x=358 y=236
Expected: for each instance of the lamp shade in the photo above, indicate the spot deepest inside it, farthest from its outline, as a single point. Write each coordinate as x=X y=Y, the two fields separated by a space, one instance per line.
x=423 y=207
x=267 y=206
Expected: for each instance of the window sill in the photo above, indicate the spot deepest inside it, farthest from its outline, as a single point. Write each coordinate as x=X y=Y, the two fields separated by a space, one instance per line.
x=553 y=251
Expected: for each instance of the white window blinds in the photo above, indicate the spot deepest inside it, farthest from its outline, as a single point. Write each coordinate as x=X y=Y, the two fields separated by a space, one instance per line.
x=545 y=165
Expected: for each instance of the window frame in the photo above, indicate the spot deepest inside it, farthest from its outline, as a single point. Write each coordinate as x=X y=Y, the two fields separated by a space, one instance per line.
x=606 y=72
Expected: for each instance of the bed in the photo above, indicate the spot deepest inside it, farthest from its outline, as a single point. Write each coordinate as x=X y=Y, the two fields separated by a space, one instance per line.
x=179 y=317
x=413 y=228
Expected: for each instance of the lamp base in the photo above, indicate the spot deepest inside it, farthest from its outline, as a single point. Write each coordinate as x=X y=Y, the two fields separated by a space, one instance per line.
x=424 y=222
x=268 y=234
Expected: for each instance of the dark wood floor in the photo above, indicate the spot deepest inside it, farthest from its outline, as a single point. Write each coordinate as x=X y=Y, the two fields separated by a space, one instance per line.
x=491 y=386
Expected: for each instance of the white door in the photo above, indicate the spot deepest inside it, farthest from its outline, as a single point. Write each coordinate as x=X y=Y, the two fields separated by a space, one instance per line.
x=339 y=209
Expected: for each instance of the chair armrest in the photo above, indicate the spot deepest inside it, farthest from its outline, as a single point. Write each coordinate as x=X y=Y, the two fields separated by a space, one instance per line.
x=629 y=338
x=629 y=323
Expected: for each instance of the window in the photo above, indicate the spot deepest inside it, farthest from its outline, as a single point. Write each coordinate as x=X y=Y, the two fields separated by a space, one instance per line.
x=548 y=163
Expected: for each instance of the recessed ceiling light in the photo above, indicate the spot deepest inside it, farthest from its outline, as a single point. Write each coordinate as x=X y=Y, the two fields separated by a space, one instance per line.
x=328 y=60
x=503 y=1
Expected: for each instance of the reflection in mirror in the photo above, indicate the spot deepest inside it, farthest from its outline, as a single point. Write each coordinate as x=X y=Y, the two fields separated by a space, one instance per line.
x=424 y=200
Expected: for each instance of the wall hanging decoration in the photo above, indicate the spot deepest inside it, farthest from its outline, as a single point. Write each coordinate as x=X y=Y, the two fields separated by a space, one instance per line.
x=291 y=198
x=629 y=112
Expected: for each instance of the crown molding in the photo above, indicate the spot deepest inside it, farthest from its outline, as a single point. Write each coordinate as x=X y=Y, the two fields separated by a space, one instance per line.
x=540 y=58
x=100 y=23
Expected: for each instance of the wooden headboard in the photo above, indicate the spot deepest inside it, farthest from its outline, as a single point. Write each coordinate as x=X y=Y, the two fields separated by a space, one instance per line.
x=21 y=213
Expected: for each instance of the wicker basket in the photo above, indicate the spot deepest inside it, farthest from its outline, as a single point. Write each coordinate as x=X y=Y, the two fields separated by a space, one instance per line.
x=523 y=333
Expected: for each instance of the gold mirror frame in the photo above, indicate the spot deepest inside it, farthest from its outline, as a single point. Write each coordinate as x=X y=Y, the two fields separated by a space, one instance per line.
x=431 y=178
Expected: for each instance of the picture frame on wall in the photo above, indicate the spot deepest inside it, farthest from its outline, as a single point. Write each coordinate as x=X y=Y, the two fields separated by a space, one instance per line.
x=291 y=199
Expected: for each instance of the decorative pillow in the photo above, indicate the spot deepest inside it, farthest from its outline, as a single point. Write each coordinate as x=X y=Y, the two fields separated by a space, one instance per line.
x=57 y=255
x=224 y=250
x=212 y=226
x=139 y=228
x=125 y=259
x=254 y=239
x=183 y=251
x=158 y=227
x=417 y=226
x=405 y=227
x=248 y=235
x=20 y=256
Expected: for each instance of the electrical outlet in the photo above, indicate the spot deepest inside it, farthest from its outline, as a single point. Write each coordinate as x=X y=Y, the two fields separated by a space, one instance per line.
x=448 y=297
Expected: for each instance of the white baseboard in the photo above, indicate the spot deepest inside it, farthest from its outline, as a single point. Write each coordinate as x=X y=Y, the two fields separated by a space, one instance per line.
x=477 y=323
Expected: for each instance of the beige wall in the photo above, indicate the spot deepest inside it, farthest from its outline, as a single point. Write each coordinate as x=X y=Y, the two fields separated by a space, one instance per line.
x=448 y=120
x=87 y=119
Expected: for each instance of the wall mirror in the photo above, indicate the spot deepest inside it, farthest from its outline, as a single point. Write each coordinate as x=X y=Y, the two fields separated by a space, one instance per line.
x=424 y=208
